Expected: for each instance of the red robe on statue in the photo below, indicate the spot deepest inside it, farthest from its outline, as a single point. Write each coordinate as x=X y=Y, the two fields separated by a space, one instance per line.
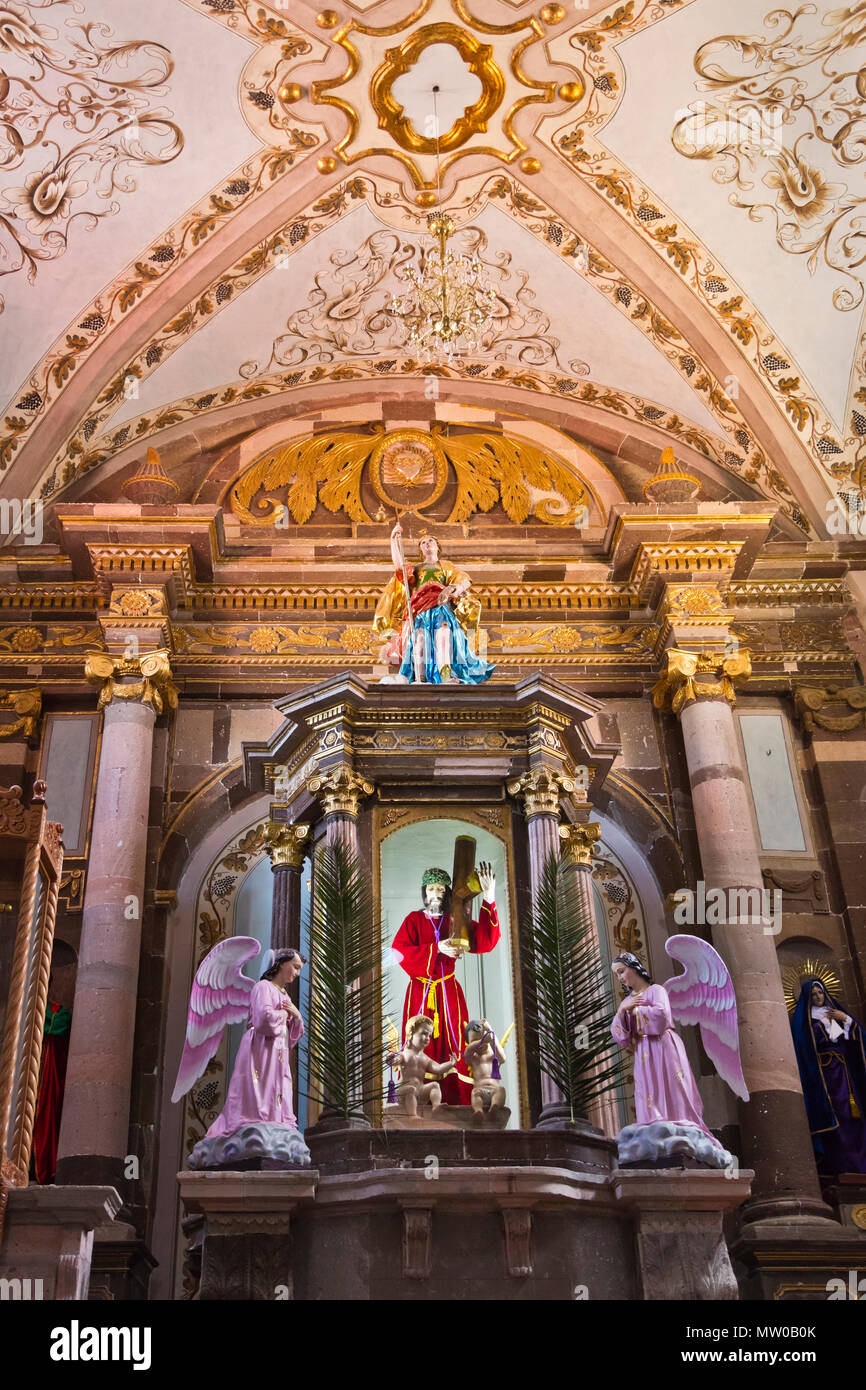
x=434 y=991
x=52 y=1079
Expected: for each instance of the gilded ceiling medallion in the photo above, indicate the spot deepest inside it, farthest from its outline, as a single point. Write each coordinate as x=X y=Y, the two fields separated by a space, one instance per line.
x=478 y=58
x=379 y=125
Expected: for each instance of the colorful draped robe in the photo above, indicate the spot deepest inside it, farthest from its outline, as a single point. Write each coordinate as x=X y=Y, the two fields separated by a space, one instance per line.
x=460 y=616
x=833 y=1076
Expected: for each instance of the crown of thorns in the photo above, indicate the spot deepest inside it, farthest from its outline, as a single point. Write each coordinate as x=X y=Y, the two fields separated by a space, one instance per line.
x=436 y=876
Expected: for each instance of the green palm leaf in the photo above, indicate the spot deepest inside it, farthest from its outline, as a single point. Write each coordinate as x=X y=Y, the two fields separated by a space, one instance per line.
x=345 y=1042
x=569 y=1010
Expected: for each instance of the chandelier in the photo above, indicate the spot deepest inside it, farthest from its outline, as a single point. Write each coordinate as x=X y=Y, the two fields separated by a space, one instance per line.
x=450 y=303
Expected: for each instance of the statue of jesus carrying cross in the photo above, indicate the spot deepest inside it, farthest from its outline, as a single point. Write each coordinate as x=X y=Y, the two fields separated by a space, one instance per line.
x=429 y=943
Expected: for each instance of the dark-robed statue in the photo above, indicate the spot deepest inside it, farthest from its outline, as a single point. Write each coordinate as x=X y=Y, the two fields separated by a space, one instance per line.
x=832 y=1062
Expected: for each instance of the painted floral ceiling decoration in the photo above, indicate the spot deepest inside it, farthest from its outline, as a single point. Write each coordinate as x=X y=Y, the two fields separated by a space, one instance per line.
x=670 y=194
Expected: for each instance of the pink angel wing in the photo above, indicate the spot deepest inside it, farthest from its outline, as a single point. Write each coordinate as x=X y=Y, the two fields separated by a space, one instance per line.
x=220 y=995
x=705 y=995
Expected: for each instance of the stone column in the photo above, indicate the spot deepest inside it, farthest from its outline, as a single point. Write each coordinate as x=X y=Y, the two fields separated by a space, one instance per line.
x=288 y=846
x=94 y=1134
x=774 y=1129
x=578 y=842
x=341 y=791
x=540 y=790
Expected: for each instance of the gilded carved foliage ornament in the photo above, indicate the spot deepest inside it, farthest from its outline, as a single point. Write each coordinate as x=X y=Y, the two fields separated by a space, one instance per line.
x=287 y=845
x=341 y=790
x=154 y=687
x=27 y=704
x=578 y=843
x=408 y=470
x=809 y=702
x=685 y=681
x=540 y=791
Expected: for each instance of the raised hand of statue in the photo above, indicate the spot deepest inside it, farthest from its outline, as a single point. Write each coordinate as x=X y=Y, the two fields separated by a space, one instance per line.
x=487 y=879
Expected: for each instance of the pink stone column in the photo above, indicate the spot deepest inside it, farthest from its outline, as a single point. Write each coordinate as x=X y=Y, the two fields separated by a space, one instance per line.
x=775 y=1134
x=94 y=1134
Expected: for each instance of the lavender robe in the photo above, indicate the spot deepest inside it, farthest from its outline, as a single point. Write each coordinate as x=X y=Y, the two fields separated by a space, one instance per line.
x=664 y=1088
x=261 y=1084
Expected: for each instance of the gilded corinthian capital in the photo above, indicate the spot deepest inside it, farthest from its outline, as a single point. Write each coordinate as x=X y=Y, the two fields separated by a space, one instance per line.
x=685 y=681
x=287 y=844
x=154 y=687
x=578 y=842
x=540 y=789
x=341 y=790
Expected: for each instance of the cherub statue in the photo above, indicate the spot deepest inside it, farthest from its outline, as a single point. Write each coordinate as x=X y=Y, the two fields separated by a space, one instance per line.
x=664 y=1087
x=431 y=632
x=415 y=1065
x=260 y=1091
x=483 y=1052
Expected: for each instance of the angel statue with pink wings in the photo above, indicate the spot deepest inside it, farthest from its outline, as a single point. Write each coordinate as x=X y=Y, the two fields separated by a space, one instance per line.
x=664 y=1087
x=260 y=1092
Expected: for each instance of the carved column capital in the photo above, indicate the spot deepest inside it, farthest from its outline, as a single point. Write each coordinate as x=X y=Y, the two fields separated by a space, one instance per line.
x=340 y=790
x=812 y=705
x=577 y=842
x=287 y=845
x=694 y=676
x=540 y=791
x=154 y=687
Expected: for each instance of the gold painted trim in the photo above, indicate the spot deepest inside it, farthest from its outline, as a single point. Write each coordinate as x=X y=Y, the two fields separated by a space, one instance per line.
x=540 y=91
x=477 y=57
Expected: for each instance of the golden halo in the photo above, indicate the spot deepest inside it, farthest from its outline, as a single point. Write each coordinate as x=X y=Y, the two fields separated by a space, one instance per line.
x=793 y=977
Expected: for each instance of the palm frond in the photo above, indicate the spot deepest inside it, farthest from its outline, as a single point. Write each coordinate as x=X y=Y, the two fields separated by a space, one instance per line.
x=344 y=1043
x=570 y=1007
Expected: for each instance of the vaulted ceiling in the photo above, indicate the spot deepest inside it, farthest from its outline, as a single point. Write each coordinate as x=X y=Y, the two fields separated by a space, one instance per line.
x=207 y=207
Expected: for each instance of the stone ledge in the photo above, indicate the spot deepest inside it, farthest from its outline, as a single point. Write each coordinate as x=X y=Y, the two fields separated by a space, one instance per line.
x=680 y=1189
x=63 y=1206
x=222 y=1191
x=464 y=1188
